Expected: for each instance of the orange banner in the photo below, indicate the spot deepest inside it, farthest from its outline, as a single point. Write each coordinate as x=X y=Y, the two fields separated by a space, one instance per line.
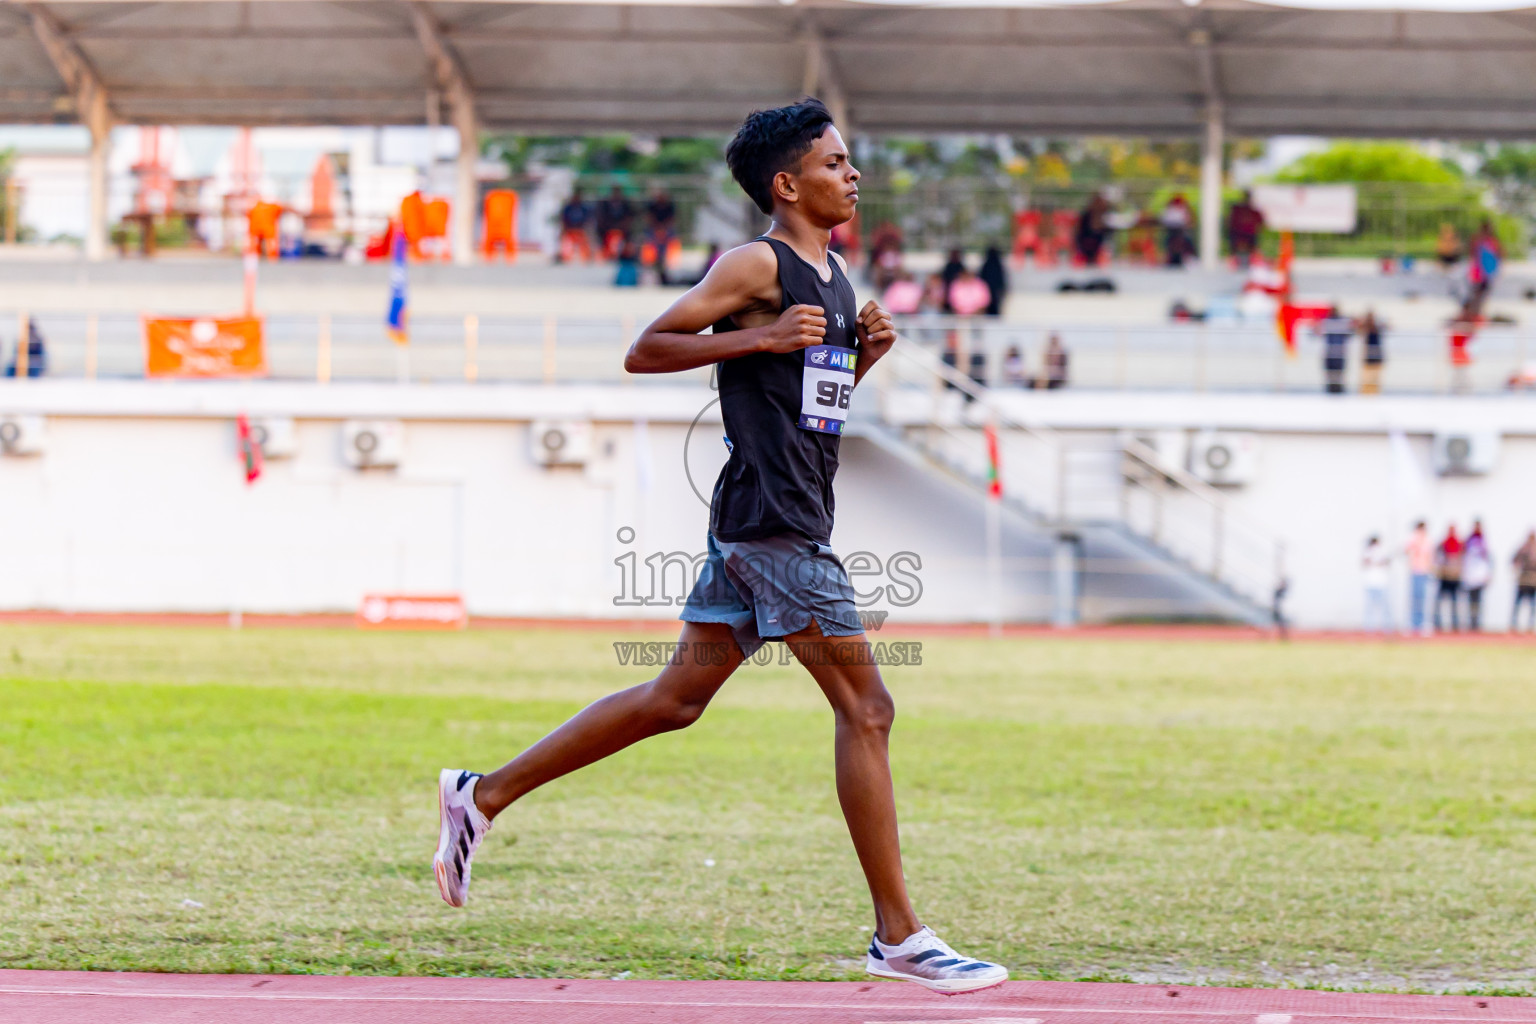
x=405 y=611
x=229 y=346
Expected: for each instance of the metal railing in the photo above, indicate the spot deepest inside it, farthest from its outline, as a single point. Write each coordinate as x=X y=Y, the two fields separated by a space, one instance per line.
x=1217 y=356
x=1069 y=483
x=571 y=349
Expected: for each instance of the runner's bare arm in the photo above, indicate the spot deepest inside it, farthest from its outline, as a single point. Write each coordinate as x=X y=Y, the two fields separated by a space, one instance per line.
x=743 y=282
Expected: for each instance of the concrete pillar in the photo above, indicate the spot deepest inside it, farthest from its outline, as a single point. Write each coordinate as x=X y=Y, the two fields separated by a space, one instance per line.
x=1211 y=212
x=466 y=190
x=100 y=125
x=1064 y=580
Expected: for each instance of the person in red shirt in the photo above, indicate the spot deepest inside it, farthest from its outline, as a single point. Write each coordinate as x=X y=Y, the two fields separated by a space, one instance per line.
x=1244 y=222
x=1448 y=567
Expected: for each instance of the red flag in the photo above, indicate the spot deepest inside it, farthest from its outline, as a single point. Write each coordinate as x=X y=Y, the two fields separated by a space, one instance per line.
x=994 y=480
x=250 y=451
x=1289 y=315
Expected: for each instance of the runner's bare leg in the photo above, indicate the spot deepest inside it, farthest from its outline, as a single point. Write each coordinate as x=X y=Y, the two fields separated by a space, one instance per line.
x=864 y=712
x=673 y=700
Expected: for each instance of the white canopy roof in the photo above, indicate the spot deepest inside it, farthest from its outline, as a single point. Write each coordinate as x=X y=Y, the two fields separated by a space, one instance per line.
x=1138 y=67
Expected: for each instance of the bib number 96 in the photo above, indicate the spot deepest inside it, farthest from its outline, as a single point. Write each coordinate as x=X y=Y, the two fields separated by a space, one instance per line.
x=826 y=388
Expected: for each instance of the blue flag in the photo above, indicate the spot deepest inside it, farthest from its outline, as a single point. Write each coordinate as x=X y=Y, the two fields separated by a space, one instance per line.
x=395 y=323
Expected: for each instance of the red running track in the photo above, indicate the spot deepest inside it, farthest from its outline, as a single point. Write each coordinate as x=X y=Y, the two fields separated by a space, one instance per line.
x=66 y=997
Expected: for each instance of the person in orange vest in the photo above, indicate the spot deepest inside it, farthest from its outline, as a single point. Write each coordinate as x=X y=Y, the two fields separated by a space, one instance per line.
x=500 y=223
x=262 y=223
x=435 y=226
x=413 y=221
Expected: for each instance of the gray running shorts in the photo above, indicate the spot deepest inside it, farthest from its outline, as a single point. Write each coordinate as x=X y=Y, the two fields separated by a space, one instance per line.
x=766 y=589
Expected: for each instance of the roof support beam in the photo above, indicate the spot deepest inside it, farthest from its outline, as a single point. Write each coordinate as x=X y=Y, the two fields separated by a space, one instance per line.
x=453 y=84
x=92 y=109
x=821 y=77
x=1212 y=148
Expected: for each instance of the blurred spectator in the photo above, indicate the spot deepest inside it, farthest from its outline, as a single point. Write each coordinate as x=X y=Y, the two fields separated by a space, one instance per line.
x=953 y=268
x=1176 y=220
x=1483 y=267
x=627 y=271
x=996 y=277
x=37 y=353
x=1448 y=568
x=1014 y=372
x=978 y=370
x=1027 y=239
x=1055 y=362
x=845 y=240
x=1375 y=355
x=1244 y=222
x=935 y=294
x=1377 y=565
x=904 y=296
x=1525 y=584
x=575 y=216
x=1092 y=230
x=1421 y=562
x=1277 y=607
x=663 y=216
x=1448 y=247
x=615 y=220
x=969 y=294
x=885 y=260
x=951 y=357
x=930 y=310
x=1476 y=571
x=1141 y=238
x=1523 y=379
x=1336 y=330
x=1462 y=330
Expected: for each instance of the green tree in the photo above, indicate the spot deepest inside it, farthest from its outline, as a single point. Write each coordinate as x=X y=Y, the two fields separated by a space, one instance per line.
x=1404 y=196
x=1353 y=162
x=608 y=154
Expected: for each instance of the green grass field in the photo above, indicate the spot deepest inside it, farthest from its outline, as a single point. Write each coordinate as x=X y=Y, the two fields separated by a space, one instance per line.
x=1240 y=812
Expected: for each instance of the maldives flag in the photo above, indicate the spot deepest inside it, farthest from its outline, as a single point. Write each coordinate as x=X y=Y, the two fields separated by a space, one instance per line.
x=994 y=481
x=250 y=450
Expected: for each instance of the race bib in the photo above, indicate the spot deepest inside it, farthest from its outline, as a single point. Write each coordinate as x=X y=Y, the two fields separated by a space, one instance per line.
x=826 y=387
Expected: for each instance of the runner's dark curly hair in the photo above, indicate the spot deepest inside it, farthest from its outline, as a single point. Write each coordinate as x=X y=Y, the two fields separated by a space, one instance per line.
x=770 y=141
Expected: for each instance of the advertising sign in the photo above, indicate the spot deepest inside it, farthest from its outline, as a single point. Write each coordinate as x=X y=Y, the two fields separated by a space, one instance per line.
x=1321 y=209
x=412 y=611
x=204 y=347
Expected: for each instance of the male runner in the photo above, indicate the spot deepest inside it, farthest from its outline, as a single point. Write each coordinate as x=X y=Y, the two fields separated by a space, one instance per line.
x=790 y=349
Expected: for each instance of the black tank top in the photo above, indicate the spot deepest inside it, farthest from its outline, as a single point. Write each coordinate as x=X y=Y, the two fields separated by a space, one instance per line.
x=779 y=475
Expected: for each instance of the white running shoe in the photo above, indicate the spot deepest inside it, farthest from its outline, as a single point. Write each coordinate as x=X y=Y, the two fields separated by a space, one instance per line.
x=925 y=959
x=461 y=831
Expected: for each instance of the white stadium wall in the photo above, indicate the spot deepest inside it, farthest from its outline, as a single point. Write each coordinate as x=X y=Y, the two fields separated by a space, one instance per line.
x=136 y=501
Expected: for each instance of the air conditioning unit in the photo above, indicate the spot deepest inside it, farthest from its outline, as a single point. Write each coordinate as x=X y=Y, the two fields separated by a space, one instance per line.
x=21 y=434
x=274 y=435
x=372 y=444
x=1224 y=459
x=561 y=442
x=1466 y=452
